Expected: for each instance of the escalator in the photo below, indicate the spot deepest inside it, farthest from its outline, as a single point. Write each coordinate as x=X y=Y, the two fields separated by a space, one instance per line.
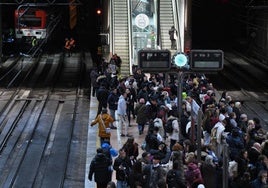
x=121 y=33
x=144 y=24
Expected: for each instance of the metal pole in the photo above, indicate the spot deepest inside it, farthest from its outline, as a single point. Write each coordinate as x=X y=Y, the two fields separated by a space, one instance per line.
x=1 y=39
x=179 y=92
x=199 y=122
x=225 y=167
x=158 y=23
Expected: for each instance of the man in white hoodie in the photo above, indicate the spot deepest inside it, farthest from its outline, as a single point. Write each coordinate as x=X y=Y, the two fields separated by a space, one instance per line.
x=220 y=134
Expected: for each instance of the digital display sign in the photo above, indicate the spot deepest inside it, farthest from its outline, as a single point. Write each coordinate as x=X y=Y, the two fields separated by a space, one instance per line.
x=154 y=60
x=206 y=60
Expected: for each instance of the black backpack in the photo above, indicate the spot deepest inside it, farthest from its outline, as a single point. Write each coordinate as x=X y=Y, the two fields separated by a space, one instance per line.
x=169 y=126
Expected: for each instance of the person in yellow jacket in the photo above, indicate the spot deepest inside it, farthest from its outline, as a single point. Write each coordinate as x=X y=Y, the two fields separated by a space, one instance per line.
x=103 y=119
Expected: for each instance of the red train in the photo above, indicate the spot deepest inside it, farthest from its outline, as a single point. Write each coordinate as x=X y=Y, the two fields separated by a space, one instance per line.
x=30 y=22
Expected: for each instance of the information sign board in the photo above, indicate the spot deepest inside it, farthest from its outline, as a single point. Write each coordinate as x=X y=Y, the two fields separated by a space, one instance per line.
x=154 y=60
x=206 y=60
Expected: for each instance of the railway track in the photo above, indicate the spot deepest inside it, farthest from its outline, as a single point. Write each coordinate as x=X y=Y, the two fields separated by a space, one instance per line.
x=245 y=81
x=40 y=123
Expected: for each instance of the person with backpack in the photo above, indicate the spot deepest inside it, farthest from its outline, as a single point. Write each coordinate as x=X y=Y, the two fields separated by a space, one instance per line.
x=172 y=128
x=175 y=177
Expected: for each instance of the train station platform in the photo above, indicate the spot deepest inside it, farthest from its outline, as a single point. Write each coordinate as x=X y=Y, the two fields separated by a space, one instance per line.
x=116 y=140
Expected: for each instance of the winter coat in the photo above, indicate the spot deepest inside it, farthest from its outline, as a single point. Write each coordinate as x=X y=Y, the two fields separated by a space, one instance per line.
x=122 y=174
x=100 y=168
x=113 y=100
x=175 y=125
x=151 y=175
x=100 y=119
x=102 y=95
x=140 y=112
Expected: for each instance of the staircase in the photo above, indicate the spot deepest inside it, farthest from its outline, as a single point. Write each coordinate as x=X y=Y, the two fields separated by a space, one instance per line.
x=121 y=33
x=166 y=21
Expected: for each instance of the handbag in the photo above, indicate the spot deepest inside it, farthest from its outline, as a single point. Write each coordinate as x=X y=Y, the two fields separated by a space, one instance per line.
x=107 y=130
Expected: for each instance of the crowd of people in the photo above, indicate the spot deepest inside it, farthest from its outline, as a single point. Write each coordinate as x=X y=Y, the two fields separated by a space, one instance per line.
x=168 y=155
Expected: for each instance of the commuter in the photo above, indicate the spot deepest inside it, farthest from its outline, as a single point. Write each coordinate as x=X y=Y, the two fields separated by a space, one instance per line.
x=232 y=117
x=177 y=154
x=131 y=149
x=261 y=164
x=151 y=109
x=121 y=86
x=122 y=115
x=152 y=173
x=253 y=153
x=122 y=166
x=207 y=125
x=72 y=45
x=131 y=100
x=242 y=163
x=143 y=92
x=93 y=80
x=67 y=47
x=116 y=60
x=146 y=158
x=235 y=143
x=260 y=181
x=173 y=35
x=112 y=104
x=193 y=175
x=237 y=110
x=264 y=148
x=163 y=152
x=218 y=136
x=258 y=133
x=242 y=123
x=208 y=170
x=151 y=139
x=175 y=134
x=141 y=116
x=158 y=122
x=103 y=120
x=175 y=177
x=138 y=75
x=135 y=178
x=100 y=168
x=113 y=82
x=102 y=96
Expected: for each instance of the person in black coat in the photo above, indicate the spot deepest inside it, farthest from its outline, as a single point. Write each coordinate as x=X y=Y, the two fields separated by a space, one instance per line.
x=99 y=166
x=122 y=166
x=102 y=96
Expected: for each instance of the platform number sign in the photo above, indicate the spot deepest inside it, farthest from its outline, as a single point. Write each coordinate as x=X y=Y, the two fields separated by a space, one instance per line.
x=206 y=60
x=154 y=60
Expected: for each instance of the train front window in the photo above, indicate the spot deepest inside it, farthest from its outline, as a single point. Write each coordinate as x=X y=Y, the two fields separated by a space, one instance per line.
x=30 y=22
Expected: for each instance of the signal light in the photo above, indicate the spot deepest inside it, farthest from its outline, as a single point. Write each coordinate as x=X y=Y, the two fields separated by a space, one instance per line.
x=99 y=11
x=180 y=60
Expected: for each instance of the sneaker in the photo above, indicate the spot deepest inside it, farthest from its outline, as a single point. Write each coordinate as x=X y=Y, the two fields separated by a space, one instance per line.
x=113 y=127
x=123 y=135
x=128 y=135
